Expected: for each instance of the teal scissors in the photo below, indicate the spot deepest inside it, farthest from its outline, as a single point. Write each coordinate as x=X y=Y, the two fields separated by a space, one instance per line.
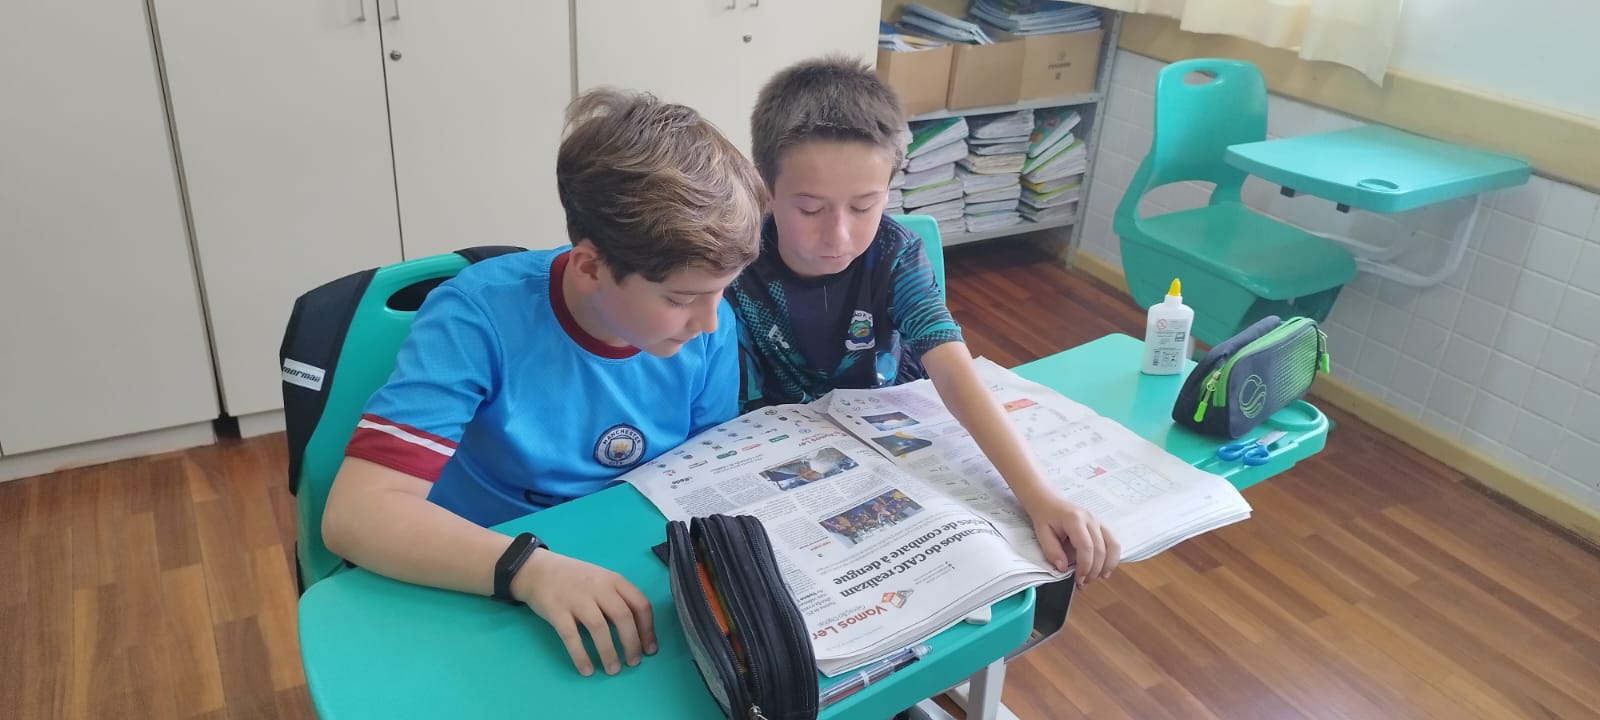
x=1251 y=452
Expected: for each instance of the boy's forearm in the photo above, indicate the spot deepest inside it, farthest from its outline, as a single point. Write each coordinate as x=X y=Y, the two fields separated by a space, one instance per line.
x=381 y=520
x=956 y=378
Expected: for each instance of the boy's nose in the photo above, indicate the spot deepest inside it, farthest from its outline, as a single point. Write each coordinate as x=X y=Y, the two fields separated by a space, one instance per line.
x=705 y=321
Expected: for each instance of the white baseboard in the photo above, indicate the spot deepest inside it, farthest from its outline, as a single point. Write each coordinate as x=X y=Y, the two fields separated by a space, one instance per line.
x=42 y=462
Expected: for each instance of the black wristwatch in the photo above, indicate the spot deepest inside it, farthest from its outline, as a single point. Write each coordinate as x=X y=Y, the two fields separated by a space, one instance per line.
x=522 y=548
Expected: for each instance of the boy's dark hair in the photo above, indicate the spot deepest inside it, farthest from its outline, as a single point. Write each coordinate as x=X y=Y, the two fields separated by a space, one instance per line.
x=656 y=187
x=829 y=98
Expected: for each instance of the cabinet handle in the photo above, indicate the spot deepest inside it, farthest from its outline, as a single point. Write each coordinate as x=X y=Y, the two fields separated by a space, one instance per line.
x=732 y=5
x=362 y=4
x=755 y=3
x=396 y=15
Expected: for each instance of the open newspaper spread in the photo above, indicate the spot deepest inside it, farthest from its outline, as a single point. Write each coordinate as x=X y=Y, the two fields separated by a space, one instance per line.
x=890 y=525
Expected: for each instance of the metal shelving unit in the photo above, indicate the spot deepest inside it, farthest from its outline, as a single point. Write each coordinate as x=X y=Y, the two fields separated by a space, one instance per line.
x=1092 y=113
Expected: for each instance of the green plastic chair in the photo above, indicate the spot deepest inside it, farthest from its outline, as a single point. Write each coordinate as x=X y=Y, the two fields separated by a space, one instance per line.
x=365 y=362
x=1237 y=266
x=928 y=229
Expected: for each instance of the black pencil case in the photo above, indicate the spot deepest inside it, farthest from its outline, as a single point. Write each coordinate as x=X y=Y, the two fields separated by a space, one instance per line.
x=744 y=630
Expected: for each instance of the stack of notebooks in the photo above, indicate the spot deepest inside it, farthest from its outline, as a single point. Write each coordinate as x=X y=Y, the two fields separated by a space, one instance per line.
x=990 y=174
x=895 y=40
x=1052 y=174
x=927 y=183
x=927 y=22
x=1035 y=17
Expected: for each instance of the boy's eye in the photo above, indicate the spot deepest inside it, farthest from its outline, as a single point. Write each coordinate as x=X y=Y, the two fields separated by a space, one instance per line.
x=810 y=211
x=866 y=209
x=678 y=303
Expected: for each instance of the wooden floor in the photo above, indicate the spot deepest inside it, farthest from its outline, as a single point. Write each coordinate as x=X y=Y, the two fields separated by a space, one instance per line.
x=1372 y=582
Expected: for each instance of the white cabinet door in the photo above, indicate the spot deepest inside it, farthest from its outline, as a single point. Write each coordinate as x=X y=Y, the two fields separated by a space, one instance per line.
x=284 y=140
x=714 y=55
x=477 y=91
x=100 y=326
x=684 y=51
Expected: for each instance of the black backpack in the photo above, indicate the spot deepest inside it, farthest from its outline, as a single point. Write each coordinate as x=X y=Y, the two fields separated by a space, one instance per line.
x=315 y=337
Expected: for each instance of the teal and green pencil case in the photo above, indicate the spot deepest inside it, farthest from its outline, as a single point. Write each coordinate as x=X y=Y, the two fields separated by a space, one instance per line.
x=1250 y=376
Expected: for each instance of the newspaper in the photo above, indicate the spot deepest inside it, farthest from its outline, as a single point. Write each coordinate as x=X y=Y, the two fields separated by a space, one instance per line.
x=890 y=525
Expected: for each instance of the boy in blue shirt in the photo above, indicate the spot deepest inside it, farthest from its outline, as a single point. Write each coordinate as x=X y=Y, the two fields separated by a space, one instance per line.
x=843 y=297
x=541 y=376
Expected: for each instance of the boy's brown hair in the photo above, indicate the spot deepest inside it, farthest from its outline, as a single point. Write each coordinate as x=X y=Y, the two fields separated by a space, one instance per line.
x=656 y=187
x=828 y=98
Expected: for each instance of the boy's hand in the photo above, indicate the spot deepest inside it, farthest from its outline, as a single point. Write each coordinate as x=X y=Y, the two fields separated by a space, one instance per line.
x=1065 y=529
x=567 y=592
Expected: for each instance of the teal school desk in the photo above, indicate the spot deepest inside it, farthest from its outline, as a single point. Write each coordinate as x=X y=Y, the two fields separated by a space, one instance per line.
x=378 y=648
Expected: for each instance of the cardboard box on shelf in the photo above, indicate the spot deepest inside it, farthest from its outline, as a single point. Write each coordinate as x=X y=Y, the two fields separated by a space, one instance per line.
x=1060 y=65
x=920 y=79
x=982 y=75
x=1029 y=67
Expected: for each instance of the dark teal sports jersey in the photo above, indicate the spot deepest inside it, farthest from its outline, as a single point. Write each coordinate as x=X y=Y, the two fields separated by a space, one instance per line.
x=866 y=326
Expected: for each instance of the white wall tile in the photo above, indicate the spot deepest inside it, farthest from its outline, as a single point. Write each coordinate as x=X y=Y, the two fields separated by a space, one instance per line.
x=1586 y=272
x=1404 y=404
x=1412 y=380
x=1120 y=106
x=1524 y=201
x=1450 y=397
x=1506 y=377
x=1535 y=437
x=1097 y=229
x=1585 y=420
x=1550 y=397
x=1492 y=418
x=1369 y=387
x=1579 y=314
x=1353 y=310
x=1343 y=343
x=1593 y=383
x=1389 y=325
x=1537 y=297
x=1376 y=363
x=1117 y=137
x=1493 y=280
x=1479 y=320
x=1103 y=198
x=1438 y=304
x=1576 y=456
x=1425 y=342
x=1288 y=118
x=1506 y=237
x=1554 y=253
x=1464 y=359
x=1458 y=279
x=1398 y=295
x=1566 y=356
x=1441 y=424
x=1365 y=283
x=1568 y=209
x=1522 y=338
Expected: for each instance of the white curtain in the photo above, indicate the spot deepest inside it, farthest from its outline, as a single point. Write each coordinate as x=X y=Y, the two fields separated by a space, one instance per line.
x=1356 y=33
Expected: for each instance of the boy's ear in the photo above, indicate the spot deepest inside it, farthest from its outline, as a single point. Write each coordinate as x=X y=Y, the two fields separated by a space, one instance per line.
x=585 y=265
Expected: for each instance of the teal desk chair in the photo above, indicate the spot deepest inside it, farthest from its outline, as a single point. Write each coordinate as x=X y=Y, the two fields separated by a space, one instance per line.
x=1237 y=266
x=928 y=229
x=365 y=360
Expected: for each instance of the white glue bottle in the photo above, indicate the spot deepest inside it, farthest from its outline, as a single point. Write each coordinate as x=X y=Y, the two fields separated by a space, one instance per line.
x=1167 y=340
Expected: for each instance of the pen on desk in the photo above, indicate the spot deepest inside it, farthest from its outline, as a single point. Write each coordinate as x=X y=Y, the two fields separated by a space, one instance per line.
x=872 y=673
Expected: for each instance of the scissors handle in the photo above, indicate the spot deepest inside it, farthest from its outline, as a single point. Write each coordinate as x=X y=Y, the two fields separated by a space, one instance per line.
x=1250 y=452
